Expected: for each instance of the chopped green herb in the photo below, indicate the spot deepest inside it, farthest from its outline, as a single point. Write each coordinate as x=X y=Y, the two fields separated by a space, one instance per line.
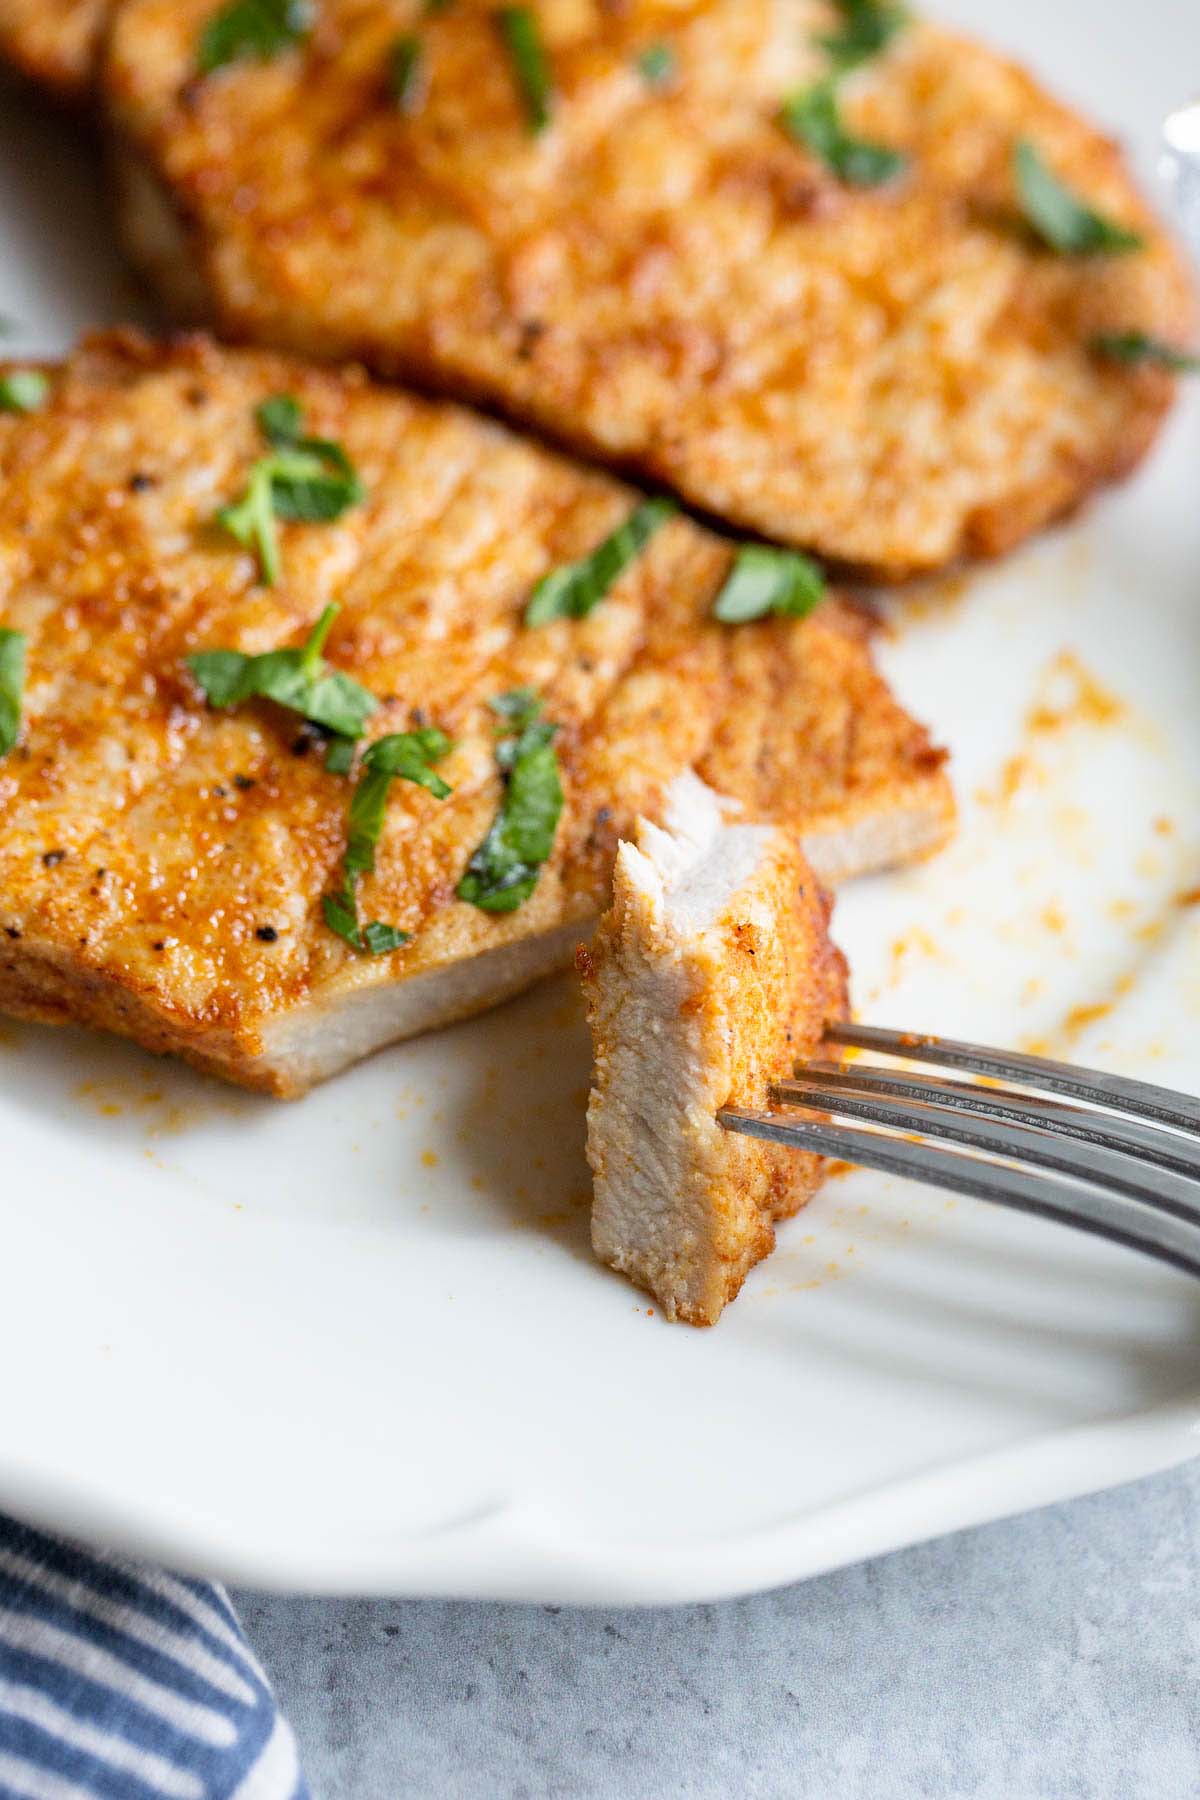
x=298 y=679
x=306 y=479
x=517 y=706
x=12 y=681
x=504 y=869
x=279 y=418
x=764 y=581
x=1139 y=349
x=409 y=756
x=657 y=64
x=812 y=118
x=23 y=390
x=433 y=7
x=576 y=589
x=867 y=27
x=406 y=74
x=519 y=28
x=258 y=28
x=1058 y=218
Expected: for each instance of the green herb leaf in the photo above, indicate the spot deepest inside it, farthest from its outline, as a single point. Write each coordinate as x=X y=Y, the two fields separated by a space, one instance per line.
x=339 y=757
x=409 y=756
x=1138 y=349
x=299 y=679
x=867 y=27
x=764 y=581
x=518 y=26
x=657 y=64
x=309 y=480
x=813 y=119
x=258 y=28
x=23 y=390
x=406 y=74
x=1058 y=218
x=280 y=418
x=12 y=682
x=504 y=870
x=517 y=707
x=576 y=589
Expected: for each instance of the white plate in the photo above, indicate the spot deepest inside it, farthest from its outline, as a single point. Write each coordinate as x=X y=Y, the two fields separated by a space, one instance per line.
x=360 y=1343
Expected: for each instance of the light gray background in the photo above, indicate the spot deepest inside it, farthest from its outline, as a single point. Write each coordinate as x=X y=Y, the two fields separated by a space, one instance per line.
x=1047 y=1657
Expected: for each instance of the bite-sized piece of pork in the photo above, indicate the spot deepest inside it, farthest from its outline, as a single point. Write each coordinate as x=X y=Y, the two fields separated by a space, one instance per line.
x=710 y=976
x=163 y=863
x=892 y=372
x=54 y=42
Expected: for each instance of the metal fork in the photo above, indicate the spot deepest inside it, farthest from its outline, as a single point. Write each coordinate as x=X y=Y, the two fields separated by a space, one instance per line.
x=1108 y=1155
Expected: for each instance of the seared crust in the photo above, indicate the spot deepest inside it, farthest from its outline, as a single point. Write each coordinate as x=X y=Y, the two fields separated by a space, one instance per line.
x=895 y=377
x=54 y=42
x=146 y=841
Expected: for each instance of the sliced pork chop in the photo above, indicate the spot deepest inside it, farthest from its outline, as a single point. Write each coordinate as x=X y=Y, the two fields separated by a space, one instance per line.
x=710 y=976
x=162 y=863
x=892 y=375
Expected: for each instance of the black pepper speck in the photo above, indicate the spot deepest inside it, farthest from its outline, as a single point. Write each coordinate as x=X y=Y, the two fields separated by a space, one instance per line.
x=266 y=934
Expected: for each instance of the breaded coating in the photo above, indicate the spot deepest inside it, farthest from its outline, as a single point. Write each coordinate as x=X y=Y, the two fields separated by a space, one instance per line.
x=893 y=376
x=710 y=976
x=162 y=863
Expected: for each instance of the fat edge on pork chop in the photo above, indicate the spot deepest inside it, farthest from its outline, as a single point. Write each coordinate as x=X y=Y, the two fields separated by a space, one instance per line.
x=165 y=861
x=850 y=296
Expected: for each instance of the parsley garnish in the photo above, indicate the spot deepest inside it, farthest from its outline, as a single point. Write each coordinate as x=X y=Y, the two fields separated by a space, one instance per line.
x=522 y=36
x=1138 y=349
x=305 y=478
x=576 y=589
x=259 y=28
x=764 y=581
x=812 y=118
x=406 y=74
x=657 y=64
x=12 y=681
x=504 y=870
x=409 y=756
x=299 y=679
x=1058 y=218
x=23 y=390
x=867 y=27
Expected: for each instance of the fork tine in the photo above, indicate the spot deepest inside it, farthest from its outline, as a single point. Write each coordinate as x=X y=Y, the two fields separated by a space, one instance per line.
x=1085 y=1205
x=1118 y=1171
x=1155 y=1144
x=1142 y=1099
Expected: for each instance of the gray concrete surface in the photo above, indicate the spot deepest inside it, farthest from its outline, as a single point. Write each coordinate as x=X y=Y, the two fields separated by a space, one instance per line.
x=1053 y=1657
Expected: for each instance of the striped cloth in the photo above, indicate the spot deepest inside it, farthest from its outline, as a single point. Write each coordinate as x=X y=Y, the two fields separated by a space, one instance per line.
x=120 y=1682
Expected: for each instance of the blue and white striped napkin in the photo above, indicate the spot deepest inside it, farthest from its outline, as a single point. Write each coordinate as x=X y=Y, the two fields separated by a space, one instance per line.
x=121 y=1682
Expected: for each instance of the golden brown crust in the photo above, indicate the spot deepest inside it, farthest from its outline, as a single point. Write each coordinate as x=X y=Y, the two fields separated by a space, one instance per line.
x=54 y=42
x=146 y=841
x=895 y=377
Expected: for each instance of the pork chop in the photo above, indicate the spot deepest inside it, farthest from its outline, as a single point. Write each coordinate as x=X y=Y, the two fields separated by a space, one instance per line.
x=817 y=310
x=711 y=974
x=164 y=859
